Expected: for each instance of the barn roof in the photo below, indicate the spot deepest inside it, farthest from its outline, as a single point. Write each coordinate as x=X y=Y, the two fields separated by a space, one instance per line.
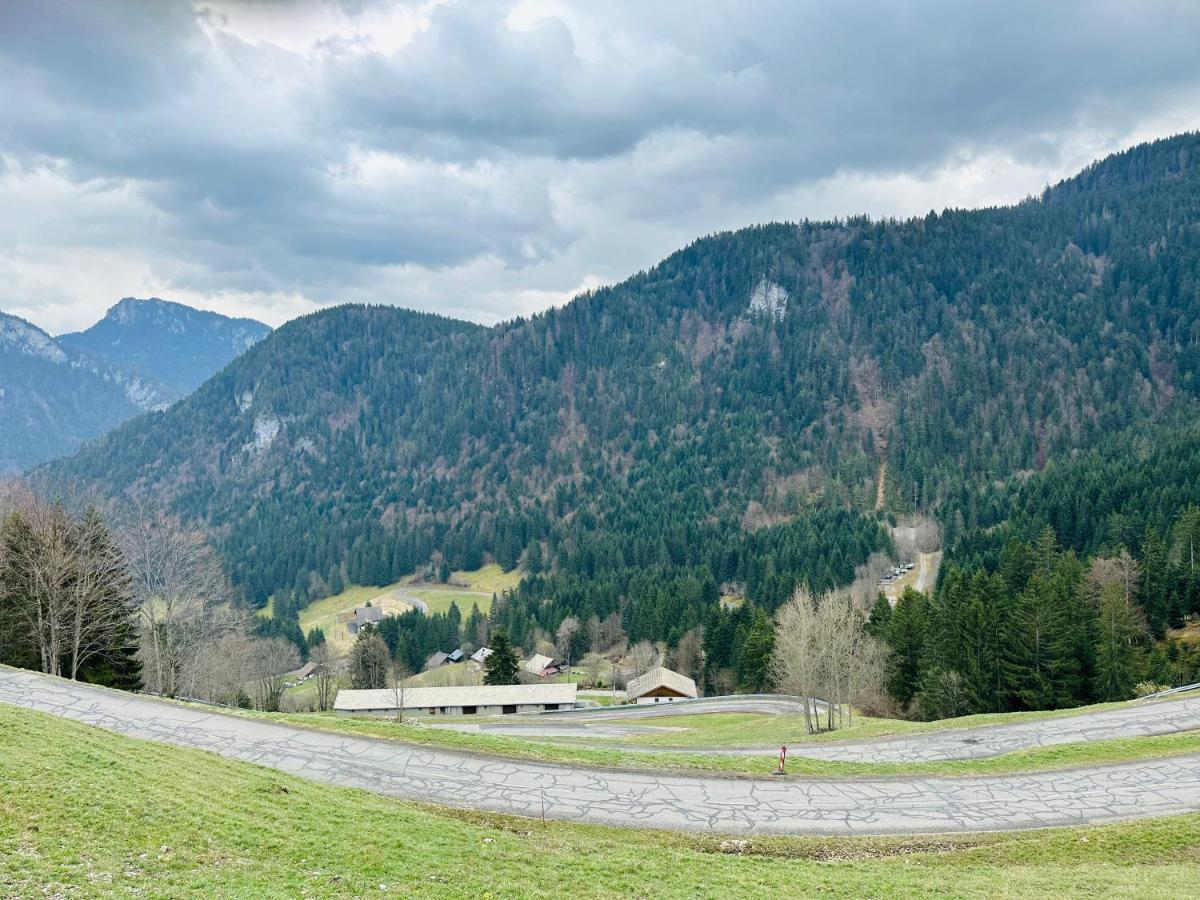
x=536 y=663
x=660 y=677
x=468 y=695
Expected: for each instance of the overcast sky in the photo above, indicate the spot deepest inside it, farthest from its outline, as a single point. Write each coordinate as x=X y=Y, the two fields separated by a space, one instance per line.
x=486 y=160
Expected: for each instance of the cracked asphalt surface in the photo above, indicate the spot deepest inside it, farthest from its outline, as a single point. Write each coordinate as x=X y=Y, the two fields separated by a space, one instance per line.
x=1135 y=720
x=638 y=799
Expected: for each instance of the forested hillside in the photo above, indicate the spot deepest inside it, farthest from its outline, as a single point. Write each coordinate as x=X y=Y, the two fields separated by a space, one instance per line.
x=721 y=418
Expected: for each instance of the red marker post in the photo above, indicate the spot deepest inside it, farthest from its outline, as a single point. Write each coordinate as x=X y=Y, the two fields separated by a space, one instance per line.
x=782 y=760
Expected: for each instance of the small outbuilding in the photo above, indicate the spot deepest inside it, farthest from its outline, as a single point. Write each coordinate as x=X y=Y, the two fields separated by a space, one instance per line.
x=456 y=656
x=537 y=664
x=470 y=700
x=437 y=660
x=660 y=685
x=481 y=654
x=305 y=672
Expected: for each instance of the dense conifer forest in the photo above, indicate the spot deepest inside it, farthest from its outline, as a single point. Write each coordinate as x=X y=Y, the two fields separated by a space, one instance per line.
x=721 y=422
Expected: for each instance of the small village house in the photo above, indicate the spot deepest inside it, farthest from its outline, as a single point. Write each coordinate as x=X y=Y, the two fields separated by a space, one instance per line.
x=660 y=685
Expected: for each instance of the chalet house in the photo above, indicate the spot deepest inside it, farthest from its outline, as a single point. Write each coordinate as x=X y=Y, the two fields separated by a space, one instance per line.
x=364 y=615
x=660 y=685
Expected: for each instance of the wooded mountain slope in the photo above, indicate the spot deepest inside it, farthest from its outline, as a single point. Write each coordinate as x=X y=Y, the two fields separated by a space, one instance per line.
x=58 y=392
x=747 y=381
x=51 y=400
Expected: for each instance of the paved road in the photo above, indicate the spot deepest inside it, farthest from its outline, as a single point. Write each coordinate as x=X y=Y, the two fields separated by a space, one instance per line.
x=734 y=806
x=1167 y=716
x=1133 y=720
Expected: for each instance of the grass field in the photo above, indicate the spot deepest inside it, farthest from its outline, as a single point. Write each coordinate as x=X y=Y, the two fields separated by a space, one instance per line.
x=439 y=598
x=490 y=579
x=88 y=813
x=328 y=612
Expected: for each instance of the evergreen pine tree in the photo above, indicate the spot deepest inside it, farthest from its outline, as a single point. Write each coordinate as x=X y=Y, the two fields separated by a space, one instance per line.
x=502 y=665
x=1117 y=651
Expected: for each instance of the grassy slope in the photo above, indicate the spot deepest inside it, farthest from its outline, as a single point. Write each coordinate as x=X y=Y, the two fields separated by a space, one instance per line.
x=440 y=597
x=90 y=813
x=327 y=612
x=490 y=579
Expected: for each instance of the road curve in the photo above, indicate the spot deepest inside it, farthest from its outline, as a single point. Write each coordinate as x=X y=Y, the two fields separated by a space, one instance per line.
x=639 y=799
x=1167 y=716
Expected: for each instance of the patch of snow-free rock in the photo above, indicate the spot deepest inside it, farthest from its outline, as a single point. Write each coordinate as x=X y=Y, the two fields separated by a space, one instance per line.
x=29 y=341
x=768 y=299
x=266 y=428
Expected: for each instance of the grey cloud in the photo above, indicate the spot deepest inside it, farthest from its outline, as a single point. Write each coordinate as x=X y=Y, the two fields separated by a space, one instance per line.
x=263 y=169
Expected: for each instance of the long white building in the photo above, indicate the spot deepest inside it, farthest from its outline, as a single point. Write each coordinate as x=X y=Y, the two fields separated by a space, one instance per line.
x=481 y=700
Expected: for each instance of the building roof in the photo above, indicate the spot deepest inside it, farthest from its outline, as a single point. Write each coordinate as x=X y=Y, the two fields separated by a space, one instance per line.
x=305 y=670
x=471 y=695
x=660 y=677
x=455 y=655
x=481 y=654
x=536 y=663
x=436 y=659
x=366 y=615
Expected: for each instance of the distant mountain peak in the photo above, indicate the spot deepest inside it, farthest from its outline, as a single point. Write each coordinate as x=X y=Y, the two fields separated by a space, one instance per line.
x=29 y=340
x=167 y=342
x=143 y=355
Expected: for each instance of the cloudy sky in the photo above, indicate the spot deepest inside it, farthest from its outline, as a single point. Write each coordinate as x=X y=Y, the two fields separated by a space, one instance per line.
x=486 y=160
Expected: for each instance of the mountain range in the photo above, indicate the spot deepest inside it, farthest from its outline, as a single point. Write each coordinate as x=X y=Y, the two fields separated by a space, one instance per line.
x=743 y=413
x=58 y=392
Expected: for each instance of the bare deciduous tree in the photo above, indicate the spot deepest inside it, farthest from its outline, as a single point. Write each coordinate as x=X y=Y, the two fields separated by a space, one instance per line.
x=65 y=585
x=822 y=651
x=220 y=670
x=326 y=674
x=272 y=660
x=688 y=655
x=567 y=630
x=400 y=675
x=593 y=665
x=183 y=597
x=642 y=657
x=100 y=600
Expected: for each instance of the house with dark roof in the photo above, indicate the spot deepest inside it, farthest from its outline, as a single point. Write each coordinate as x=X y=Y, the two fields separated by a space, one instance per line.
x=364 y=615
